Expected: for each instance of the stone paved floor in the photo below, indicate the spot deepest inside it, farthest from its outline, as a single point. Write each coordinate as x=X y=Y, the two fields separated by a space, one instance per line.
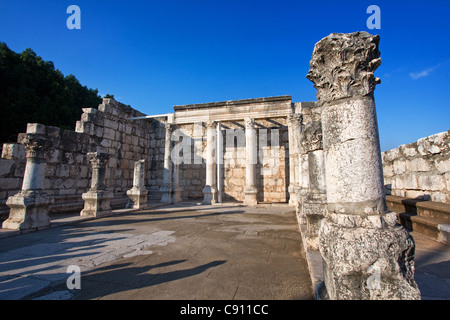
x=432 y=268
x=181 y=251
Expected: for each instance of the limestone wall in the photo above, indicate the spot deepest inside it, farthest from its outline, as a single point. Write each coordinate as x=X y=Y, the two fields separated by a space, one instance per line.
x=192 y=170
x=105 y=129
x=419 y=169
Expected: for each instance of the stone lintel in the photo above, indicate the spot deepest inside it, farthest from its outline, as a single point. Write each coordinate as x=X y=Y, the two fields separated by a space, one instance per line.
x=232 y=103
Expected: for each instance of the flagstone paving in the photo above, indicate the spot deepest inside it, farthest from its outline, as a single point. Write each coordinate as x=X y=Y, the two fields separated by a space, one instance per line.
x=182 y=251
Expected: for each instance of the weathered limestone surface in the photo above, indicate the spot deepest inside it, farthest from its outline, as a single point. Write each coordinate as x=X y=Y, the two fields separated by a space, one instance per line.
x=30 y=207
x=420 y=169
x=97 y=201
x=251 y=159
x=166 y=188
x=138 y=194
x=209 y=191
x=105 y=129
x=313 y=192
x=295 y=129
x=366 y=254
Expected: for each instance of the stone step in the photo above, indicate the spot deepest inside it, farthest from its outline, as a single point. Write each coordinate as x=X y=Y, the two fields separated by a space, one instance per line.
x=431 y=227
x=429 y=209
x=429 y=218
x=435 y=210
x=401 y=204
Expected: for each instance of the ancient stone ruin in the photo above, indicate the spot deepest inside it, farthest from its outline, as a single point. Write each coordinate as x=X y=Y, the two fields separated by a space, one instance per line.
x=322 y=158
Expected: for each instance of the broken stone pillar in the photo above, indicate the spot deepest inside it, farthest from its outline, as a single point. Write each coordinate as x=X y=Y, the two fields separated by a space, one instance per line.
x=251 y=155
x=315 y=197
x=366 y=253
x=294 y=129
x=97 y=201
x=166 y=189
x=138 y=193
x=209 y=191
x=29 y=208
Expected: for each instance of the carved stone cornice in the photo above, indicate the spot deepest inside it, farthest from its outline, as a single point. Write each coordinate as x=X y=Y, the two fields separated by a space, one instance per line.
x=342 y=65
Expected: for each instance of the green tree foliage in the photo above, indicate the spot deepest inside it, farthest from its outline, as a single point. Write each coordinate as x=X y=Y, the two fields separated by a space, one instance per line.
x=32 y=90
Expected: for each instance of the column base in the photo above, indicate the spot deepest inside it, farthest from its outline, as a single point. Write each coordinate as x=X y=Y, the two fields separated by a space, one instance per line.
x=96 y=203
x=29 y=210
x=209 y=195
x=137 y=198
x=366 y=262
x=251 y=196
x=166 y=196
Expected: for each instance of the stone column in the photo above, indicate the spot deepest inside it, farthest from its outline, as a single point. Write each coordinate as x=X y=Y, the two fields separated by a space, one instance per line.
x=138 y=193
x=166 y=189
x=294 y=129
x=30 y=207
x=251 y=157
x=210 y=191
x=97 y=201
x=366 y=254
x=314 y=198
x=176 y=193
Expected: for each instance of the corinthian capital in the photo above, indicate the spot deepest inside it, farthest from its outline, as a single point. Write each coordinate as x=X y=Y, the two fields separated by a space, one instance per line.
x=36 y=146
x=98 y=159
x=342 y=65
x=249 y=123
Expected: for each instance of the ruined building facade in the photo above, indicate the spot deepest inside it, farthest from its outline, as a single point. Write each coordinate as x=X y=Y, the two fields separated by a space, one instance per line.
x=322 y=158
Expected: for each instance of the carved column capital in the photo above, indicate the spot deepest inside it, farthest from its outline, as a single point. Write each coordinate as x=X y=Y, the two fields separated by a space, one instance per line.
x=98 y=160
x=342 y=65
x=249 y=123
x=36 y=146
x=210 y=124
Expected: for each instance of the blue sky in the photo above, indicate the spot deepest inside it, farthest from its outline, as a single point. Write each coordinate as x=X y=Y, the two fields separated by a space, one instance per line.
x=153 y=55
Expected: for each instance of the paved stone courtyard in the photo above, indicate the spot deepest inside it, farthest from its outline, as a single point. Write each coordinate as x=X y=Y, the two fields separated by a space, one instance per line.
x=181 y=251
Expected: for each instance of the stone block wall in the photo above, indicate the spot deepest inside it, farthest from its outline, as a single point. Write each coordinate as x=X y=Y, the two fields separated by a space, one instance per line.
x=192 y=170
x=68 y=176
x=273 y=160
x=420 y=169
x=233 y=160
x=155 y=163
x=12 y=168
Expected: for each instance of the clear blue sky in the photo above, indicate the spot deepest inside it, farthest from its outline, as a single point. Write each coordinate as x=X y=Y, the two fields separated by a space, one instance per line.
x=153 y=55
